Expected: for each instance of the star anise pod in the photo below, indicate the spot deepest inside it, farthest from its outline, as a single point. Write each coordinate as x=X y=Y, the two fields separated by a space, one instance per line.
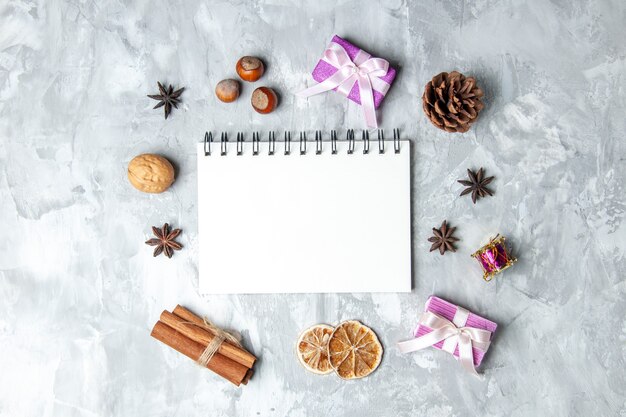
x=164 y=240
x=167 y=97
x=443 y=239
x=477 y=185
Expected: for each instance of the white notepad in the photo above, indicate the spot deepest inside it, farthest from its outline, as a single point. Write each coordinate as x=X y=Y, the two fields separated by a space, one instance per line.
x=312 y=223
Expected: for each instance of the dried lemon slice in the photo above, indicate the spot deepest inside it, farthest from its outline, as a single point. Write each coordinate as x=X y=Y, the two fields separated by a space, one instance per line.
x=313 y=348
x=354 y=350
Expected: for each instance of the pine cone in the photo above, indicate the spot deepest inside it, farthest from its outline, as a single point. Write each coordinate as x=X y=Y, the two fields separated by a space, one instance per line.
x=452 y=102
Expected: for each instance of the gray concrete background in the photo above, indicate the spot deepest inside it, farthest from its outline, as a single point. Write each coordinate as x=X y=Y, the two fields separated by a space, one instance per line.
x=80 y=291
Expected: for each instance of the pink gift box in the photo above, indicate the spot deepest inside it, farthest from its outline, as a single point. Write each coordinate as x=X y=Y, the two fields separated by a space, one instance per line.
x=448 y=310
x=323 y=70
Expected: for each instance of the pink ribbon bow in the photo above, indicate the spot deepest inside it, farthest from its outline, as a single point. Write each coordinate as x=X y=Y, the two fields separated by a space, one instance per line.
x=444 y=329
x=347 y=74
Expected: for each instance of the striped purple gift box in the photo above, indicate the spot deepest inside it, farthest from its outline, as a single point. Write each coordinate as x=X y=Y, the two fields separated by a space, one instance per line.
x=452 y=312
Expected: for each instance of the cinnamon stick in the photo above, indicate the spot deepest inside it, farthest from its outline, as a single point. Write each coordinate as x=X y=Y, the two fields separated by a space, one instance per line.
x=221 y=365
x=248 y=376
x=200 y=335
x=203 y=336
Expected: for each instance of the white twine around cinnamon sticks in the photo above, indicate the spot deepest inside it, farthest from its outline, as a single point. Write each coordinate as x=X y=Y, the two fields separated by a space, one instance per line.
x=214 y=345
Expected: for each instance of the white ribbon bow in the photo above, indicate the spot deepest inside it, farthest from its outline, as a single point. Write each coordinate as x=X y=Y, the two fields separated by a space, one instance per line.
x=444 y=329
x=347 y=74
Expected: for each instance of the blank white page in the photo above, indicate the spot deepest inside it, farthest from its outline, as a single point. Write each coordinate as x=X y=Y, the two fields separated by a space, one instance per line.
x=304 y=223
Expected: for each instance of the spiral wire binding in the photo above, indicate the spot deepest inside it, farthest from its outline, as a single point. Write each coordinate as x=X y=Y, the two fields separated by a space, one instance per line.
x=223 y=141
x=302 y=143
x=350 y=139
x=287 y=143
x=319 y=142
x=208 y=139
x=271 y=140
x=240 y=141
x=365 y=137
x=396 y=140
x=255 y=143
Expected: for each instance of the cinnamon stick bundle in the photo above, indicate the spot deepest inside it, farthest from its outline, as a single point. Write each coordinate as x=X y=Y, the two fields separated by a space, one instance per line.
x=180 y=316
x=186 y=333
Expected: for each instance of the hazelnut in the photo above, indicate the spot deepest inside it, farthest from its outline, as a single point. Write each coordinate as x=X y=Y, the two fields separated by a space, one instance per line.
x=227 y=90
x=264 y=100
x=150 y=173
x=250 y=68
